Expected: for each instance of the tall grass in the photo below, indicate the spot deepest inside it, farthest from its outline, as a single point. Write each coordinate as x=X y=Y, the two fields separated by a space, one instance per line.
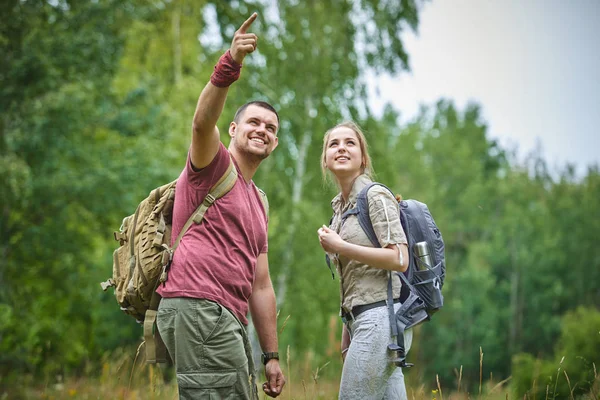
x=123 y=378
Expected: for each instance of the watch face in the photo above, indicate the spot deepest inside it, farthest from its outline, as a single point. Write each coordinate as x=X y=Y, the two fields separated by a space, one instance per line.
x=269 y=356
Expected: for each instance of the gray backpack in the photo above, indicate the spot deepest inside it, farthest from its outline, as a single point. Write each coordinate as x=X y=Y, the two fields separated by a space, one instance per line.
x=421 y=294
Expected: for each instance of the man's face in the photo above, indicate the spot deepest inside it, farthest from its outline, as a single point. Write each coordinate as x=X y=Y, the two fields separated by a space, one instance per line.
x=256 y=132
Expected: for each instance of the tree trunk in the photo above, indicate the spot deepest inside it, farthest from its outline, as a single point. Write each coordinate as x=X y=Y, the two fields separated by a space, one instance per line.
x=176 y=30
x=297 y=187
x=516 y=311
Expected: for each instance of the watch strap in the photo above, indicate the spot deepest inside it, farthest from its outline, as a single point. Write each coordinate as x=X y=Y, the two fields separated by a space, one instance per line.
x=266 y=357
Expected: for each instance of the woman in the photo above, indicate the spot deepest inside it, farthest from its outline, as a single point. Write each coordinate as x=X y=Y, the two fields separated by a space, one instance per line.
x=368 y=372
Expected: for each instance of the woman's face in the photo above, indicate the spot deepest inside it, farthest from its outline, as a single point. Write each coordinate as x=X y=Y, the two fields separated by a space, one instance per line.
x=343 y=155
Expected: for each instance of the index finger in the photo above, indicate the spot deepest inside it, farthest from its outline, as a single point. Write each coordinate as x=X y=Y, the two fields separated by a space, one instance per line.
x=247 y=23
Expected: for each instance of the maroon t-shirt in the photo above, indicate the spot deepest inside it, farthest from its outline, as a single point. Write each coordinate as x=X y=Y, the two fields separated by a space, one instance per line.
x=216 y=260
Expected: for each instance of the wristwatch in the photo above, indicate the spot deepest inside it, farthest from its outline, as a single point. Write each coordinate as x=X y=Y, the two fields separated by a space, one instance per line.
x=266 y=357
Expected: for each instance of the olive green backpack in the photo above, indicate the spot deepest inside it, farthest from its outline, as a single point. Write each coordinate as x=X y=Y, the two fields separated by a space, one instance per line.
x=143 y=258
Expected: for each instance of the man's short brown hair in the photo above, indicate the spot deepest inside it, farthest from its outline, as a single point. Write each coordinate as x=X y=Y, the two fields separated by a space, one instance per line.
x=258 y=103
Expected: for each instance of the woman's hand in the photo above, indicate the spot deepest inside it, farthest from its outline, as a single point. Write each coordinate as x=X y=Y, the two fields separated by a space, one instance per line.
x=330 y=241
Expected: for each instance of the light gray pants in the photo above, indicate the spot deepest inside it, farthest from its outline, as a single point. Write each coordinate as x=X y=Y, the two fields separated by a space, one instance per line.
x=368 y=373
x=210 y=350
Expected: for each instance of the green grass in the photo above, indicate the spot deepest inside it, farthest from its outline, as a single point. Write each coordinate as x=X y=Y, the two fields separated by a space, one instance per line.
x=118 y=379
x=122 y=376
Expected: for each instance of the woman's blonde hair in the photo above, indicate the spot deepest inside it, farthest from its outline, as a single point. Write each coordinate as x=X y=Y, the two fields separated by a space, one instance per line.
x=367 y=167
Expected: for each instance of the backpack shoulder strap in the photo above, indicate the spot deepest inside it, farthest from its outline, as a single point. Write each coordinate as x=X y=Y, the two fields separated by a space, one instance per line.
x=265 y=201
x=327 y=259
x=362 y=212
x=219 y=189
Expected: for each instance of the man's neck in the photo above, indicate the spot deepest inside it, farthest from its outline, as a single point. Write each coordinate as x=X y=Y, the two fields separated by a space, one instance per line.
x=248 y=165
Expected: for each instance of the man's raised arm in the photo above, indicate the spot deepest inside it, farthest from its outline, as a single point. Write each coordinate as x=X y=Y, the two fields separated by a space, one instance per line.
x=205 y=134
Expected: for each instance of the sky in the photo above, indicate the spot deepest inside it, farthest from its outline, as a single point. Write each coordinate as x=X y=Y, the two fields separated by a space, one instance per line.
x=533 y=66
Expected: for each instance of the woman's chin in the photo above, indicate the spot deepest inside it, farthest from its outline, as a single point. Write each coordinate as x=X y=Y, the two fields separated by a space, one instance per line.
x=345 y=171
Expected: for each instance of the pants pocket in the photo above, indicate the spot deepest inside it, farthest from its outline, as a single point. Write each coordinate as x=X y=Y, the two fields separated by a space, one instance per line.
x=165 y=322
x=207 y=385
x=224 y=344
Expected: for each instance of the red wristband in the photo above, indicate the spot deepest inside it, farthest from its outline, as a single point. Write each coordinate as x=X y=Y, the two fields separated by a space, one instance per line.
x=226 y=71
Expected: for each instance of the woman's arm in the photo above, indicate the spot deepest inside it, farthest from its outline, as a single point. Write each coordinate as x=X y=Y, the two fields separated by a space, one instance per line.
x=393 y=257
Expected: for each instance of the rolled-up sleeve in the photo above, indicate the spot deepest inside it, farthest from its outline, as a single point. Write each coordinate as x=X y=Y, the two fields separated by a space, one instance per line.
x=385 y=218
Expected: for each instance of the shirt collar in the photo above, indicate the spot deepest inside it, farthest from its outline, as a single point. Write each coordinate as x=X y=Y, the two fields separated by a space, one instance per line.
x=359 y=183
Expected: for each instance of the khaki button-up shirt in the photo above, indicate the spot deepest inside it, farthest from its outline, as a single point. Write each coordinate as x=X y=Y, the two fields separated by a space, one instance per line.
x=360 y=283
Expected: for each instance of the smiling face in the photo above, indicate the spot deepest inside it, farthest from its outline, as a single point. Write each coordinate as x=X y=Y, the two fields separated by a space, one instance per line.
x=343 y=154
x=255 y=132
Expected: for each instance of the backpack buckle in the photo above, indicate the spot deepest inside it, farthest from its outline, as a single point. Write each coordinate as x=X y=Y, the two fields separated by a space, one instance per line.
x=106 y=284
x=400 y=361
x=167 y=258
x=120 y=237
x=209 y=199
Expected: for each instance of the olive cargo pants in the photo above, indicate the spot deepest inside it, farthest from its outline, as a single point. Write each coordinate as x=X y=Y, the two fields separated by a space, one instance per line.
x=210 y=349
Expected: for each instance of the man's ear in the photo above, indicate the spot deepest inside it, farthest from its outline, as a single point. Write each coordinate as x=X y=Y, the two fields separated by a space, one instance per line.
x=276 y=143
x=232 y=128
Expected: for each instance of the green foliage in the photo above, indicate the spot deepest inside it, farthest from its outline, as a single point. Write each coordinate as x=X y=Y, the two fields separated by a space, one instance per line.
x=526 y=370
x=579 y=343
x=64 y=185
x=572 y=370
x=97 y=99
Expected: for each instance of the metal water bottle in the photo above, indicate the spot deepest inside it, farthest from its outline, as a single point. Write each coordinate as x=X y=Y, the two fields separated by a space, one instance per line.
x=421 y=250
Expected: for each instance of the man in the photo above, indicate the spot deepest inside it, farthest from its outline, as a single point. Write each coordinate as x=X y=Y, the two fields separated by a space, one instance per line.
x=220 y=268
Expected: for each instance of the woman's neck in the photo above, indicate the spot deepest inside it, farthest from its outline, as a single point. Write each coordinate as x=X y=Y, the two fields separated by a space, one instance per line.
x=346 y=184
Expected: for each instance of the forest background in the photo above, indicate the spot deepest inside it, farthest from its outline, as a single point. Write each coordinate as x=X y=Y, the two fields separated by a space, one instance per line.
x=96 y=101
